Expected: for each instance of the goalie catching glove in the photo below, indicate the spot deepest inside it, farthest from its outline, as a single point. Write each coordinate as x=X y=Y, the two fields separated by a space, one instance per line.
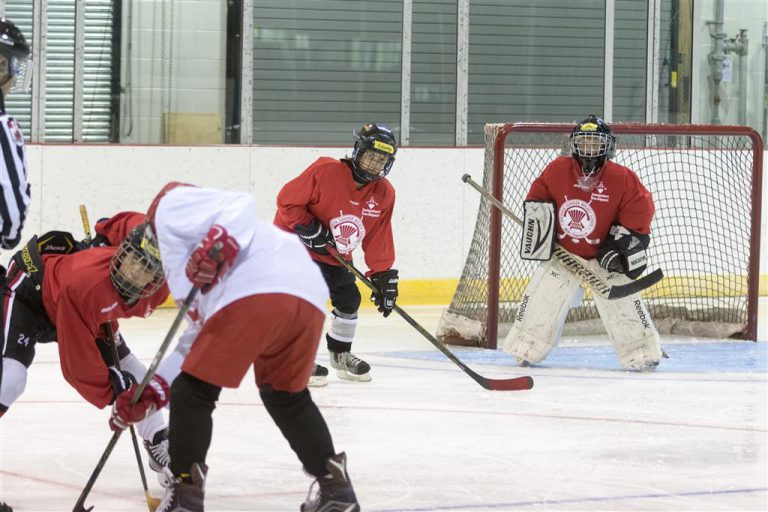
x=386 y=290
x=624 y=252
x=212 y=258
x=315 y=236
x=154 y=397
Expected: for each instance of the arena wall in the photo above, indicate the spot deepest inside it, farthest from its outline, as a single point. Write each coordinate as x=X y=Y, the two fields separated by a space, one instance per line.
x=434 y=213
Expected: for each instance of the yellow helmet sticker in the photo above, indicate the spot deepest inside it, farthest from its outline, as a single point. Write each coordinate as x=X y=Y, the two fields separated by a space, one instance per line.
x=588 y=127
x=383 y=146
x=150 y=248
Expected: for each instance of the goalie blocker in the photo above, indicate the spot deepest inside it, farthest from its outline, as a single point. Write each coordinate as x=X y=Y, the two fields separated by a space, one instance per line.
x=539 y=228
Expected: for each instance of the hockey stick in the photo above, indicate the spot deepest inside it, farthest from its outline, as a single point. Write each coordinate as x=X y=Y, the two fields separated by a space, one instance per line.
x=152 y=502
x=514 y=384
x=144 y=382
x=595 y=282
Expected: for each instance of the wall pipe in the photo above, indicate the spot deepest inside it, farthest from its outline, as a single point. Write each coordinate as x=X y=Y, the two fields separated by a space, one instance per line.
x=722 y=48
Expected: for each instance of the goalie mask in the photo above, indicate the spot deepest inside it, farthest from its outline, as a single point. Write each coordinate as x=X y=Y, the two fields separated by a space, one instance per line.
x=136 y=269
x=592 y=143
x=15 y=63
x=374 y=153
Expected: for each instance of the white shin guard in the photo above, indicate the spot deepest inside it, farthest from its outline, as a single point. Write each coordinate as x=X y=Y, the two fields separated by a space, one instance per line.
x=343 y=326
x=542 y=312
x=13 y=382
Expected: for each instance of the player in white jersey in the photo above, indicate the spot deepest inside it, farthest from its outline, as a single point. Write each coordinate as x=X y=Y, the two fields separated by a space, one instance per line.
x=262 y=304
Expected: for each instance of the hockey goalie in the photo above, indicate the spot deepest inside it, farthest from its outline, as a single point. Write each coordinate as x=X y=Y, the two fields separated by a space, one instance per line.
x=599 y=211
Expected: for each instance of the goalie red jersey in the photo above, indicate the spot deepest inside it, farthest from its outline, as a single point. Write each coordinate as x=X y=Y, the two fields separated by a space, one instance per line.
x=325 y=191
x=584 y=216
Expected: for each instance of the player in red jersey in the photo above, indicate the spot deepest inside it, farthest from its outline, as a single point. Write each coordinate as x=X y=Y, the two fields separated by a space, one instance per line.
x=346 y=204
x=598 y=210
x=58 y=291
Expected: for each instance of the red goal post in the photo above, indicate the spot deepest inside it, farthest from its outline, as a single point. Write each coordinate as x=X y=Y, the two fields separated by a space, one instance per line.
x=706 y=184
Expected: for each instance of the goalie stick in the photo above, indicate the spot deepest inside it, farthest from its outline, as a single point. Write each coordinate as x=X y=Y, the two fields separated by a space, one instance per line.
x=595 y=282
x=513 y=384
x=152 y=502
x=144 y=382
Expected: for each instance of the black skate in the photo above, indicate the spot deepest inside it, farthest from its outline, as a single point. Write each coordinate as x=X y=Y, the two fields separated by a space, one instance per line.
x=319 y=376
x=157 y=450
x=182 y=496
x=3 y=506
x=335 y=493
x=350 y=367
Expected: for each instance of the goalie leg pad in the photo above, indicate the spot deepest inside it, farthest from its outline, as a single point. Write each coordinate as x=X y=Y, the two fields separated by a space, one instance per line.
x=541 y=313
x=631 y=330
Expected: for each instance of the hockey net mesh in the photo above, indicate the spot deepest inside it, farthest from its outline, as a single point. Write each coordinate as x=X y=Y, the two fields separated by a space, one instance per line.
x=702 y=232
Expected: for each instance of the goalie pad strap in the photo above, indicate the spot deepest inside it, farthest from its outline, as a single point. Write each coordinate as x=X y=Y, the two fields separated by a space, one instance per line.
x=539 y=230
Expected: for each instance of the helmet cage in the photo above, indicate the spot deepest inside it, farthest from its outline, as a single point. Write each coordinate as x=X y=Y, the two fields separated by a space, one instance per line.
x=592 y=143
x=374 y=153
x=136 y=269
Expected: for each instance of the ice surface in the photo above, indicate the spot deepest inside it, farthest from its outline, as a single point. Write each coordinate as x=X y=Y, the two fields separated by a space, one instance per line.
x=423 y=436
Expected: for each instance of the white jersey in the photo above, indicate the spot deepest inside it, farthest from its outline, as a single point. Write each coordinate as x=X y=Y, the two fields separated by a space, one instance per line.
x=14 y=189
x=270 y=260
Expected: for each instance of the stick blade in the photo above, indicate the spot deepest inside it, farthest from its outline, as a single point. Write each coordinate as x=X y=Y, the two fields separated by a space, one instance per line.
x=516 y=384
x=638 y=285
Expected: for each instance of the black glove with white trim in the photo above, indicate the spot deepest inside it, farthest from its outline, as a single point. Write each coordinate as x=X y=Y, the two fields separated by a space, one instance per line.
x=315 y=236
x=386 y=290
x=120 y=380
x=624 y=252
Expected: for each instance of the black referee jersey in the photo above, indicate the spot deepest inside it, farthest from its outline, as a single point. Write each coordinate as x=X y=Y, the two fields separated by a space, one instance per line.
x=14 y=189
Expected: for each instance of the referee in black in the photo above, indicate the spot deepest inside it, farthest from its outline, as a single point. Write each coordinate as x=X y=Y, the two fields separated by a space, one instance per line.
x=15 y=76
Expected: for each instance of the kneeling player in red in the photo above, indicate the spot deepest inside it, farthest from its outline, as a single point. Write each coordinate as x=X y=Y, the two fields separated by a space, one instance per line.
x=262 y=306
x=57 y=290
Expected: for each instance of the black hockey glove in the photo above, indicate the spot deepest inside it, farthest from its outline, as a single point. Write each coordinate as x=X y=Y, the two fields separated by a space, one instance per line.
x=624 y=252
x=386 y=290
x=120 y=380
x=315 y=236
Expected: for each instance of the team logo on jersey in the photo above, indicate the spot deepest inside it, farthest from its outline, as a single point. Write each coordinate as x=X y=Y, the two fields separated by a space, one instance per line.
x=371 y=210
x=577 y=220
x=599 y=193
x=348 y=231
x=13 y=127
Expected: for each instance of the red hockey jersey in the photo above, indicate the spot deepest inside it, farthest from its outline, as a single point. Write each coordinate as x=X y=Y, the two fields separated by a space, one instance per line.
x=585 y=217
x=79 y=297
x=327 y=191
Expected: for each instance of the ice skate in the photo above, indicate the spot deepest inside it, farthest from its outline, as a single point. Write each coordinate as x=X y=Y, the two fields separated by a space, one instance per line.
x=350 y=367
x=319 y=376
x=181 y=496
x=335 y=493
x=157 y=450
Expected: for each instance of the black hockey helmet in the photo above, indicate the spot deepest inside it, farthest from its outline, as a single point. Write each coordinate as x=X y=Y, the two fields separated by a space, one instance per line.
x=374 y=152
x=592 y=143
x=136 y=268
x=14 y=47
